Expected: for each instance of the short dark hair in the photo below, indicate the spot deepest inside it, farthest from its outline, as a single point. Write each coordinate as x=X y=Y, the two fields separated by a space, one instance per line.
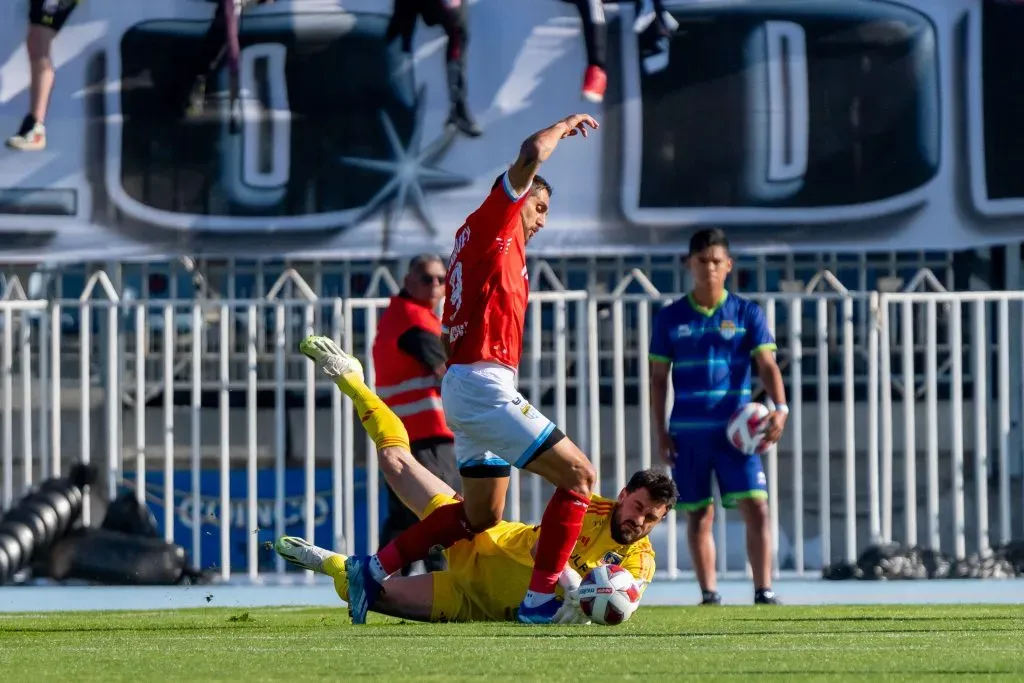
x=658 y=484
x=539 y=183
x=707 y=238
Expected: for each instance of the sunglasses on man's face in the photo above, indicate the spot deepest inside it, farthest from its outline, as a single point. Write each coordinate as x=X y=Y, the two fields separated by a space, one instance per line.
x=428 y=279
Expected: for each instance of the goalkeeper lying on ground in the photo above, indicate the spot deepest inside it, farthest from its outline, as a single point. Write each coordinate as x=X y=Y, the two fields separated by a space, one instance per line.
x=487 y=576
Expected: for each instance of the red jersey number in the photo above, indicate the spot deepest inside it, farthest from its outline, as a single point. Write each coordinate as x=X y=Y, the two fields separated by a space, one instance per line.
x=487 y=289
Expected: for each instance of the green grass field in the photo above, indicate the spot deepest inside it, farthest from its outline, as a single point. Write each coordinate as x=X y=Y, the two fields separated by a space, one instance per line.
x=659 y=643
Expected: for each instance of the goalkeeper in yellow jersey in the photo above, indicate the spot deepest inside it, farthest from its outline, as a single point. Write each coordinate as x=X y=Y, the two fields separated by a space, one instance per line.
x=486 y=576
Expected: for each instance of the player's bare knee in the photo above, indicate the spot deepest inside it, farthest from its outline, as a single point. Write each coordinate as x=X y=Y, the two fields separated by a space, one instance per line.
x=393 y=461
x=483 y=518
x=37 y=51
x=755 y=512
x=38 y=42
x=700 y=521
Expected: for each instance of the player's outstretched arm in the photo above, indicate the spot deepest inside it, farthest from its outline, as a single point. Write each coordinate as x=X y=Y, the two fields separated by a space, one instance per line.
x=536 y=149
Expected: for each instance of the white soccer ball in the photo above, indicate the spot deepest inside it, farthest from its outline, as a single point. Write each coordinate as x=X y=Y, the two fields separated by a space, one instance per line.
x=746 y=428
x=609 y=595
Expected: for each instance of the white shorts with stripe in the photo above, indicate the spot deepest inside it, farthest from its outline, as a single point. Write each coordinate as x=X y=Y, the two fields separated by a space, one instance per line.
x=495 y=427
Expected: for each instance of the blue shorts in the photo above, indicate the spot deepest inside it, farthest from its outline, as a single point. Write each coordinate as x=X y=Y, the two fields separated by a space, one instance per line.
x=698 y=454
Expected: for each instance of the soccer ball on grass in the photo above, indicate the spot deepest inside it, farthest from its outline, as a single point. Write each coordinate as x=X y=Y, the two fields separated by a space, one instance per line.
x=609 y=595
x=746 y=428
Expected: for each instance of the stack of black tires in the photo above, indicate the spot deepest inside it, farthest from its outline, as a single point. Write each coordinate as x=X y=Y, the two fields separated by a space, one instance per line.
x=43 y=532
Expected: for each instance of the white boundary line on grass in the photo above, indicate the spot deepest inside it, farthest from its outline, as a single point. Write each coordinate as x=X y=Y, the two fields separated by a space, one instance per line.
x=661 y=593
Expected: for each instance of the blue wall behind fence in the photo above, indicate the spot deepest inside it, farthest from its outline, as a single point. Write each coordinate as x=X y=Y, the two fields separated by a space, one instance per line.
x=210 y=514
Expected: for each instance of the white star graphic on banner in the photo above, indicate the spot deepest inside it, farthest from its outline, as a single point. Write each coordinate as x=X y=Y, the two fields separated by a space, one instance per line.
x=411 y=170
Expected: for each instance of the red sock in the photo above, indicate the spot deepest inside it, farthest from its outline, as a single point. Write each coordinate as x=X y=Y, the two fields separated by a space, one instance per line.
x=559 y=529
x=445 y=526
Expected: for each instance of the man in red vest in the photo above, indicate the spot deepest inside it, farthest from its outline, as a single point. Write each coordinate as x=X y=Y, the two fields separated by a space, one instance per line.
x=410 y=362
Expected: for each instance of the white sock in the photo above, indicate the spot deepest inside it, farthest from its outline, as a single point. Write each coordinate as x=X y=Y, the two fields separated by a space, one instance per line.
x=534 y=599
x=377 y=570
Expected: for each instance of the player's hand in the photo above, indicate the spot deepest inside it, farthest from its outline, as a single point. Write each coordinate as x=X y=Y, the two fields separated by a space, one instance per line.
x=570 y=611
x=667 y=448
x=773 y=426
x=569 y=614
x=566 y=614
x=578 y=124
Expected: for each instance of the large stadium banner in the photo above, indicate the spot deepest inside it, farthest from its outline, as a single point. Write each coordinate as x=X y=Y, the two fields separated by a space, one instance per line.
x=800 y=125
x=264 y=531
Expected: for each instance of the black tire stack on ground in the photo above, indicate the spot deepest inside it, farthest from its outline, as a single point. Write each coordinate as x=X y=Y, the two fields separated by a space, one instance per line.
x=41 y=518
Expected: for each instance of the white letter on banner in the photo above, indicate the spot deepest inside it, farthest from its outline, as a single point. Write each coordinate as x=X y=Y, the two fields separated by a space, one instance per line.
x=265 y=133
x=787 y=101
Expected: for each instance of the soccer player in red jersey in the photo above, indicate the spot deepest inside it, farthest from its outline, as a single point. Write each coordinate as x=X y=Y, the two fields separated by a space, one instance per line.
x=494 y=426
